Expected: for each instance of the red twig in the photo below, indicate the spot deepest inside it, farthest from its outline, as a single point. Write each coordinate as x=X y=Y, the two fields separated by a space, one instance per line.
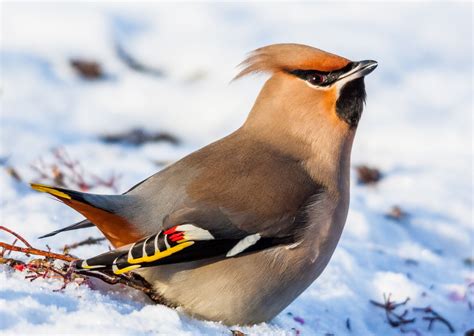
x=9 y=252
x=394 y=319
x=69 y=173
x=32 y=250
x=42 y=268
x=16 y=235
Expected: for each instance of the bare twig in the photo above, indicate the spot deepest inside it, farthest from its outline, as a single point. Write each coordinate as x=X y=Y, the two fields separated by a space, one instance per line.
x=433 y=316
x=13 y=173
x=138 y=136
x=9 y=251
x=31 y=250
x=394 y=319
x=400 y=320
x=43 y=268
x=88 y=241
x=134 y=64
x=131 y=280
x=23 y=240
x=69 y=173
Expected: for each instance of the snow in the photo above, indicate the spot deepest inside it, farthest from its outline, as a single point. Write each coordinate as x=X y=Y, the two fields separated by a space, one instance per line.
x=417 y=128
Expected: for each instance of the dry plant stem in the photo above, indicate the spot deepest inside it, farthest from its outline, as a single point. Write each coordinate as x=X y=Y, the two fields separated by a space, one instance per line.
x=125 y=280
x=16 y=235
x=434 y=317
x=110 y=279
x=130 y=280
x=45 y=268
x=74 y=167
x=68 y=173
x=134 y=64
x=32 y=250
x=88 y=241
x=10 y=251
x=394 y=319
x=14 y=174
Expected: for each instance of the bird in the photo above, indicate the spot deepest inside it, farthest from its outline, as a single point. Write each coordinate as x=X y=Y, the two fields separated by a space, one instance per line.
x=237 y=230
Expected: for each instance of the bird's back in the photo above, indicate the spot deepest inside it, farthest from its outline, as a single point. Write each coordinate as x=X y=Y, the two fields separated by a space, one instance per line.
x=236 y=175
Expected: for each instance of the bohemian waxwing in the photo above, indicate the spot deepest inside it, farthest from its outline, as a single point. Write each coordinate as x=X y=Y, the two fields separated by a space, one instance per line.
x=235 y=231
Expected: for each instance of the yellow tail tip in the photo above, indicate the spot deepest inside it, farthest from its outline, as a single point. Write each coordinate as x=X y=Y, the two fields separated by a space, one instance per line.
x=49 y=190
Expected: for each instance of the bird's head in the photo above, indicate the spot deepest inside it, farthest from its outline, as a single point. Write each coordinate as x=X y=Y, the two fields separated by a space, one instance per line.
x=308 y=85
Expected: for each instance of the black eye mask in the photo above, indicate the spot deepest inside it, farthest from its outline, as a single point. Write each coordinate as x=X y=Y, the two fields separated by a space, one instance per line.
x=321 y=78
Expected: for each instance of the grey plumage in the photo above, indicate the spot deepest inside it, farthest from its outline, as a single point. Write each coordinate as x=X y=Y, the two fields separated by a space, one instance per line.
x=249 y=221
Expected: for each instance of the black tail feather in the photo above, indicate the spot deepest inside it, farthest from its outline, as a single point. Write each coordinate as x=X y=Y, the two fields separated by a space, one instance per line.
x=80 y=225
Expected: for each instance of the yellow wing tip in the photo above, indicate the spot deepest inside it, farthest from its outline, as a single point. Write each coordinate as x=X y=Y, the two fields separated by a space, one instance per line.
x=49 y=190
x=119 y=271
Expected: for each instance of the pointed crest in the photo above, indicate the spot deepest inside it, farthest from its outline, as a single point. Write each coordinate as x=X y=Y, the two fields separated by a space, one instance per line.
x=288 y=56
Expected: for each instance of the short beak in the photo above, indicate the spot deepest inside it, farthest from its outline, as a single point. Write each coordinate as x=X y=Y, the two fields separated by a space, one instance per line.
x=360 y=69
x=365 y=67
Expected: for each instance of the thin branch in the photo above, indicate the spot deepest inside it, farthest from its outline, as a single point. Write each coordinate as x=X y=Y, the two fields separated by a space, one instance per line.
x=88 y=241
x=32 y=250
x=9 y=251
x=134 y=64
x=394 y=319
x=16 y=235
x=433 y=316
x=69 y=173
x=42 y=268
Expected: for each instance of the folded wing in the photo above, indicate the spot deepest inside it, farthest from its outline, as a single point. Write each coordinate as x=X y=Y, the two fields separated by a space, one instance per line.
x=181 y=243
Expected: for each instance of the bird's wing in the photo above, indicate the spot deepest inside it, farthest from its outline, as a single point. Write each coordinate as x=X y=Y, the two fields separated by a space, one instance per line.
x=233 y=188
x=181 y=243
x=201 y=231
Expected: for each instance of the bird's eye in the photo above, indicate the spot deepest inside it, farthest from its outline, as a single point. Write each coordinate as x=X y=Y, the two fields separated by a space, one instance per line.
x=315 y=78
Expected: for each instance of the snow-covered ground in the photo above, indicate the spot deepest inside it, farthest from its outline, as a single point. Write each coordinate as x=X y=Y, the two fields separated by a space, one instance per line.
x=417 y=128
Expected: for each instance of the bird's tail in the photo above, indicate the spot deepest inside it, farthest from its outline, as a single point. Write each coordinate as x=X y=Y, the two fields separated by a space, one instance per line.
x=79 y=225
x=102 y=211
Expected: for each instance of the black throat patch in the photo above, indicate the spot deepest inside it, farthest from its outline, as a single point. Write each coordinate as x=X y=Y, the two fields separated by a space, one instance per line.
x=351 y=101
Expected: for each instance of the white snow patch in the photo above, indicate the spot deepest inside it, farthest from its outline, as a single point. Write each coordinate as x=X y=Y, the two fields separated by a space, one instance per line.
x=395 y=284
x=416 y=127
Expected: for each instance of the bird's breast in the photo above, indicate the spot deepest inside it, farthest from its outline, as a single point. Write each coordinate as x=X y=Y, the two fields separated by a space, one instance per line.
x=255 y=287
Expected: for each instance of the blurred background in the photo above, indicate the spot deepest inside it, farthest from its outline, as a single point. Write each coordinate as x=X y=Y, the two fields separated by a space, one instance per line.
x=98 y=96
